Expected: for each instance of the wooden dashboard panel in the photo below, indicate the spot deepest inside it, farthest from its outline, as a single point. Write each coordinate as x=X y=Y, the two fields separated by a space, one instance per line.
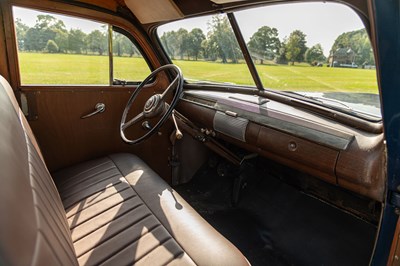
x=357 y=166
x=312 y=157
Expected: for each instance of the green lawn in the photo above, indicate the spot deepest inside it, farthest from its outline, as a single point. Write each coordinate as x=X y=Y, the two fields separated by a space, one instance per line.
x=284 y=77
x=39 y=68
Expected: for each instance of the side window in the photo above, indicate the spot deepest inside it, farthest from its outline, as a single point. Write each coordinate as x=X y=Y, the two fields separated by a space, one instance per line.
x=55 y=49
x=128 y=63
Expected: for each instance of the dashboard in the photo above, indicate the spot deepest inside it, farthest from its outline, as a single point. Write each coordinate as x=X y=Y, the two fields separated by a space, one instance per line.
x=347 y=156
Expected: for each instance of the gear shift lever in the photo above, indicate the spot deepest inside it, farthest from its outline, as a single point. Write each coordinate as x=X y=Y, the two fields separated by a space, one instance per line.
x=178 y=133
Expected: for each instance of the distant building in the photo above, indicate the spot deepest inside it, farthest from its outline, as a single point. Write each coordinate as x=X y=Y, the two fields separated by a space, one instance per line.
x=342 y=57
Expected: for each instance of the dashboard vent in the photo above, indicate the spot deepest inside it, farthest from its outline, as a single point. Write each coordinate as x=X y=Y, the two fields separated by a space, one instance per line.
x=234 y=127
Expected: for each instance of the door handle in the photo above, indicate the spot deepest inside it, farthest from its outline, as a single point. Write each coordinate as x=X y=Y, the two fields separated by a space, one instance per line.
x=99 y=108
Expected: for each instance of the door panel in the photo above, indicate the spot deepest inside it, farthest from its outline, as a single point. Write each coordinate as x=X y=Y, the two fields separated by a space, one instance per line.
x=66 y=139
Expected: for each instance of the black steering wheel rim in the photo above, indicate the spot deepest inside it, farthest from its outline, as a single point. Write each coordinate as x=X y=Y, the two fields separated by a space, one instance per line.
x=178 y=78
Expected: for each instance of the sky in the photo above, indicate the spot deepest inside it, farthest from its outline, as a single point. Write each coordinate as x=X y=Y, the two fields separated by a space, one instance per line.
x=321 y=22
x=28 y=17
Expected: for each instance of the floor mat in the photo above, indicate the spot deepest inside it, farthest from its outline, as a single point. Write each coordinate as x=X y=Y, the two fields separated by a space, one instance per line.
x=276 y=224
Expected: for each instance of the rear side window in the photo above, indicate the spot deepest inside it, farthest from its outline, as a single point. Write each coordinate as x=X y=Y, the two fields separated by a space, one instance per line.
x=62 y=50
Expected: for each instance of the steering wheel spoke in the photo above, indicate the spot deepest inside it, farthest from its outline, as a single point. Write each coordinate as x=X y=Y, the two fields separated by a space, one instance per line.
x=164 y=94
x=155 y=106
x=134 y=120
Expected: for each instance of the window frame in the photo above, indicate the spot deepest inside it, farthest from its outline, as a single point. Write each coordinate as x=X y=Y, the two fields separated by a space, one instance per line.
x=371 y=125
x=139 y=48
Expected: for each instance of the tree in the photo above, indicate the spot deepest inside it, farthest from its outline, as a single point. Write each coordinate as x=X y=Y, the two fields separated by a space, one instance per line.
x=46 y=28
x=196 y=37
x=296 y=46
x=183 y=42
x=21 y=30
x=51 y=47
x=76 y=41
x=222 y=39
x=31 y=41
x=169 y=41
x=359 y=42
x=264 y=44
x=61 y=37
x=96 y=42
x=314 y=54
x=281 y=56
x=61 y=40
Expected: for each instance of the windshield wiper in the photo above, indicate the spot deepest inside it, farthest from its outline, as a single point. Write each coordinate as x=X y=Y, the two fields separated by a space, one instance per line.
x=323 y=100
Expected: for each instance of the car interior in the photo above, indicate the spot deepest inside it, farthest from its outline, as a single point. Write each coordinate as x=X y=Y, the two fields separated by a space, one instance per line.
x=172 y=168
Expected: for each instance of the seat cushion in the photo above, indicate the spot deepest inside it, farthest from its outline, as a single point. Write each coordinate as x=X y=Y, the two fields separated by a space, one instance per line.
x=121 y=212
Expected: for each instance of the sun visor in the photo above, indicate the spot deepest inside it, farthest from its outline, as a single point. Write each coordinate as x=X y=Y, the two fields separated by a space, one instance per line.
x=149 y=11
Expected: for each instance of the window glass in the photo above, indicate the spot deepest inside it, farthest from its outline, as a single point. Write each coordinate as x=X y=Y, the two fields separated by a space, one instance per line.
x=206 y=50
x=62 y=50
x=56 y=49
x=129 y=64
x=319 y=50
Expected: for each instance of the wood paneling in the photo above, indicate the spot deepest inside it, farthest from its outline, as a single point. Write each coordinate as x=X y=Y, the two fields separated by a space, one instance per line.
x=3 y=52
x=314 y=159
x=66 y=139
x=361 y=168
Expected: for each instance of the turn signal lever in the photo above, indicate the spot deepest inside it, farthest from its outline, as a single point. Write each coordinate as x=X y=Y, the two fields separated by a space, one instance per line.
x=178 y=133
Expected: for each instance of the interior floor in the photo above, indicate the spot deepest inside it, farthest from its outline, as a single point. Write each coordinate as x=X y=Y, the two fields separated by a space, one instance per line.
x=275 y=223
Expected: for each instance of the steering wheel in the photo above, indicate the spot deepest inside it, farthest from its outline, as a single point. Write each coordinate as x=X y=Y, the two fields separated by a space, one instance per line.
x=155 y=105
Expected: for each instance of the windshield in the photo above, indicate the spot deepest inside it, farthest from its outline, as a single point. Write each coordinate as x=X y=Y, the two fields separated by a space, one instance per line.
x=206 y=50
x=316 y=51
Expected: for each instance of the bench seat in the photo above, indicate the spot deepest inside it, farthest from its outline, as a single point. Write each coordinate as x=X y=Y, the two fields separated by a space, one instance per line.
x=113 y=210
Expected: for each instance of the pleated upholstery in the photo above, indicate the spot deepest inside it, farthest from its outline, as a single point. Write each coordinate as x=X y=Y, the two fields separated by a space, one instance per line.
x=33 y=225
x=109 y=222
x=53 y=230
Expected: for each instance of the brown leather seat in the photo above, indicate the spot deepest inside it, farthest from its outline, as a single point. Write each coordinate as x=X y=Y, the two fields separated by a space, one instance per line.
x=114 y=210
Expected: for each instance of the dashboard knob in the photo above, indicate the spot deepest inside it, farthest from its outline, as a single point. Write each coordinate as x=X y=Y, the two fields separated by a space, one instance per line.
x=292 y=146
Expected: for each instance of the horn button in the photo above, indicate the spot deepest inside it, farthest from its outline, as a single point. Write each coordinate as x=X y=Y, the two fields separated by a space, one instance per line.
x=154 y=106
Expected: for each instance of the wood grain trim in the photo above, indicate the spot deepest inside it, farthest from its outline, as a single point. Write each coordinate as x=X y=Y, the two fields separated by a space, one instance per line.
x=273 y=144
x=11 y=45
x=107 y=4
x=3 y=52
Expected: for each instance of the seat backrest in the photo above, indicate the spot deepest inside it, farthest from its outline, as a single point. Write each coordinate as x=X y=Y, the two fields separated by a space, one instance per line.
x=33 y=224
